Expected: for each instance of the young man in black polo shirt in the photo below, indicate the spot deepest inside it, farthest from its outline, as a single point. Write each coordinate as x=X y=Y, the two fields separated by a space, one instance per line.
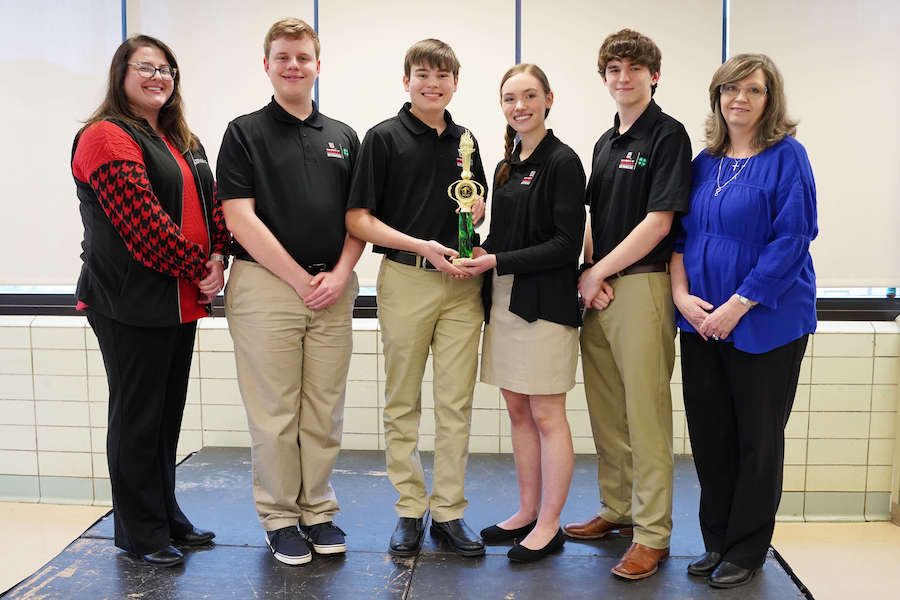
x=399 y=202
x=640 y=178
x=283 y=177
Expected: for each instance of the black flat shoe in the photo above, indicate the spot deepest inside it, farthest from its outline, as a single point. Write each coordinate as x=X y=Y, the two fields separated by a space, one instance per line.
x=194 y=537
x=704 y=564
x=495 y=533
x=407 y=537
x=167 y=557
x=462 y=539
x=521 y=554
x=729 y=575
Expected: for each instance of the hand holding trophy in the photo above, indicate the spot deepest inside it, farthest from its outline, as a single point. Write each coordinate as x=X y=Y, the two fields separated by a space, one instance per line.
x=465 y=192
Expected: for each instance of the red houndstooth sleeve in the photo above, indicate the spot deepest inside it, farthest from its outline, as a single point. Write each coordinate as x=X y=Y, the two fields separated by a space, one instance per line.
x=112 y=163
x=220 y=237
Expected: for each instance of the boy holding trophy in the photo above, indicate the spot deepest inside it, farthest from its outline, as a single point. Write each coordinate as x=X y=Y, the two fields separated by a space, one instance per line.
x=398 y=201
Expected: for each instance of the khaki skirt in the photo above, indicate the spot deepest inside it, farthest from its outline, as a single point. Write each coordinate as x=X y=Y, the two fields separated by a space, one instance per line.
x=527 y=358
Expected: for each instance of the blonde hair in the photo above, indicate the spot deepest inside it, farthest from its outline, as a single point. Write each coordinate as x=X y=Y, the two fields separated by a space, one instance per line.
x=292 y=29
x=510 y=137
x=774 y=124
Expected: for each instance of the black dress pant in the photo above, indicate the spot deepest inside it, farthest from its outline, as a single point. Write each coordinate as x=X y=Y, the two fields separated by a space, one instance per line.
x=147 y=370
x=737 y=407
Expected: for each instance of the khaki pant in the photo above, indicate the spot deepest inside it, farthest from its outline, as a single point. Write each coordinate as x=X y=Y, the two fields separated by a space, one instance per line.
x=419 y=309
x=292 y=365
x=628 y=352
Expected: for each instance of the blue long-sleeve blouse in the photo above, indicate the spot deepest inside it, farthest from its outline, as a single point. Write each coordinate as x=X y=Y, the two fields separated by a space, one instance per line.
x=753 y=239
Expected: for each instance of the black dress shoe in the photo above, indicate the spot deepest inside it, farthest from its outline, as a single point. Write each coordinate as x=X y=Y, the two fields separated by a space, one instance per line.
x=729 y=575
x=495 y=533
x=705 y=564
x=167 y=557
x=407 y=537
x=462 y=539
x=521 y=554
x=194 y=537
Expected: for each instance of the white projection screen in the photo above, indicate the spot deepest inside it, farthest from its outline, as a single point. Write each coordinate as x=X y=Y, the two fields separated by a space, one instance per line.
x=838 y=60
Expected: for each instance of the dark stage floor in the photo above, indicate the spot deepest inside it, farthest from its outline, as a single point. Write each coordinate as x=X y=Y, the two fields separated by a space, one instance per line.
x=214 y=490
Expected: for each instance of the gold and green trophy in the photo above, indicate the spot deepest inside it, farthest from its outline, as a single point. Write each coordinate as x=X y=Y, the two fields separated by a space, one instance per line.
x=464 y=192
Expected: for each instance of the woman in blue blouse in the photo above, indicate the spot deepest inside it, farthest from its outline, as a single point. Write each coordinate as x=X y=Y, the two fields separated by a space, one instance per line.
x=745 y=290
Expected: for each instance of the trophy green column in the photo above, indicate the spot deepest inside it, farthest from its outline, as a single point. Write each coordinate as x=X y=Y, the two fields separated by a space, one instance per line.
x=464 y=192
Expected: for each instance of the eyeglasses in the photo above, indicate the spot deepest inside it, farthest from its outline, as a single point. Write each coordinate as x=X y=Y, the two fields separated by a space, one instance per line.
x=147 y=70
x=733 y=90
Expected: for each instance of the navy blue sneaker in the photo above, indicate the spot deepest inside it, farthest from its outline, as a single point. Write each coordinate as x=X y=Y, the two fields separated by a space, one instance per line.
x=326 y=538
x=288 y=546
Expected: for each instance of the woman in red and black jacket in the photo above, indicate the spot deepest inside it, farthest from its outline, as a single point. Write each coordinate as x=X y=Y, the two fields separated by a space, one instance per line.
x=154 y=255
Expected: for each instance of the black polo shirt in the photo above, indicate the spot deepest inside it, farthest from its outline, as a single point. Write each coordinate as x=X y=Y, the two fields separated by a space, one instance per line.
x=297 y=171
x=645 y=169
x=537 y=226
x=402 y=174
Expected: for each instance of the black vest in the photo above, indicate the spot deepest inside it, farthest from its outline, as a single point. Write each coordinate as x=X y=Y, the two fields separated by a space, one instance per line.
x=112 y=282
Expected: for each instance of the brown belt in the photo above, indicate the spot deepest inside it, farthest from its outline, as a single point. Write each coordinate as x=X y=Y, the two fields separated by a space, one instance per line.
x=635 y=269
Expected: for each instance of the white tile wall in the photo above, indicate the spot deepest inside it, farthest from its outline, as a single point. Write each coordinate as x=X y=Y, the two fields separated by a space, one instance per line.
x=15 y=361
x=17 y=437
x=65 y=464
x=17 y=412
x=14 y=332
x=60 y=387
x=59 y=362
x=840 y=439
x=15 y=387
x=64 y=439
x=881 y=452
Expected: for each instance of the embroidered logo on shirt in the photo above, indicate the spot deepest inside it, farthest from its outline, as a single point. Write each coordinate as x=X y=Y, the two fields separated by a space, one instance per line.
x=527 y=179
x=333 y=152
x=630 y=162
x=627 y=162
x=200 y=161
x=459 y=159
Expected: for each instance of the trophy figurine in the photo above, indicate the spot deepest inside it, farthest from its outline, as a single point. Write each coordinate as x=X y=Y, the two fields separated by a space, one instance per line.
x=464 y=192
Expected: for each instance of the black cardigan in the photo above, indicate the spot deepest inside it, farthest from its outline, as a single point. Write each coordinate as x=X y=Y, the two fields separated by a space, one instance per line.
x=536 y=232
x=112 y=282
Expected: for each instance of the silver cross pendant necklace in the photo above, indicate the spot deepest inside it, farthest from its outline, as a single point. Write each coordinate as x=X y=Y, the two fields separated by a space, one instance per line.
x=721 y=186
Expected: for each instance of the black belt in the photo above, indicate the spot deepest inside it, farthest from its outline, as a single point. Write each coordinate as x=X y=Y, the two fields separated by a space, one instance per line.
x=635 y=269
x=316 y=268
x=408 y=258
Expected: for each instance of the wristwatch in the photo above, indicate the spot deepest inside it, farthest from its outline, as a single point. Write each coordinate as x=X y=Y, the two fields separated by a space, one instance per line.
x=745 y=301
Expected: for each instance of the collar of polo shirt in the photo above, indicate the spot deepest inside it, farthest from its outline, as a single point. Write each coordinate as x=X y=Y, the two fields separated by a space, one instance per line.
x=313 y=120
x=415 y=125
x=644 y=124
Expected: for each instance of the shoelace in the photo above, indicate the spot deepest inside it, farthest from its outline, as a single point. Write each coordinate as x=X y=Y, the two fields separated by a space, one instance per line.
x=285 y=532
x=326 y=526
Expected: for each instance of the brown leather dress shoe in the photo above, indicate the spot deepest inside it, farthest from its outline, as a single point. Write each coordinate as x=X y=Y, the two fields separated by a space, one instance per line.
x=596 y=528
x=640 y=561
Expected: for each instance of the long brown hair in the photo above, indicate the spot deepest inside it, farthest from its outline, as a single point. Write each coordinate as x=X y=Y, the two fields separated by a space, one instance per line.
x=115 y=105
x=774 y=123
x=510 y=137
